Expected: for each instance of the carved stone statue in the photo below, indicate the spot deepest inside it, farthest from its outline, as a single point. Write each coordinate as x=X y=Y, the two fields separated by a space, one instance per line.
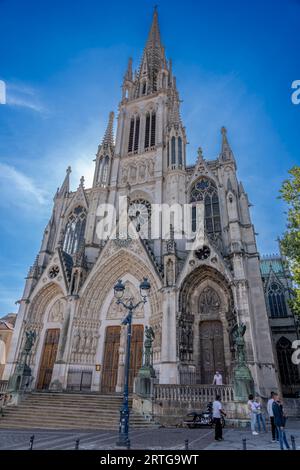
x=240 y=344
x=149 y=338
x=243 y=383
x=146 y=373
x=30 y=339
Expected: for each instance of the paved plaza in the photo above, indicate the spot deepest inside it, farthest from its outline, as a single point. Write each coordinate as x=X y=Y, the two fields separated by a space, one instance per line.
x=146 y=439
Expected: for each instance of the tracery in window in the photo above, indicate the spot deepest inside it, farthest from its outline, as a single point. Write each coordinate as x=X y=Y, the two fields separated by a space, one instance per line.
x=75 y=229
x=205 y=190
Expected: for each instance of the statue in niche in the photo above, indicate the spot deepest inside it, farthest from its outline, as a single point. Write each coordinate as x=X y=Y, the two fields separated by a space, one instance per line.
x=76 y=341
x=133 y=173
x=30 y=339
x=151 y=168
x=142 y=171
x=124 y=174
x=149 y=338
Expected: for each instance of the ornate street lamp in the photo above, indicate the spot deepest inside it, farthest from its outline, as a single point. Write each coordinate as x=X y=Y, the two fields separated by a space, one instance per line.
x=124 y=410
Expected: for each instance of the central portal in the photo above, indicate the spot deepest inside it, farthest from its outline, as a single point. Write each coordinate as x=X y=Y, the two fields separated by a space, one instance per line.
x=211 y=350
x=111 y=357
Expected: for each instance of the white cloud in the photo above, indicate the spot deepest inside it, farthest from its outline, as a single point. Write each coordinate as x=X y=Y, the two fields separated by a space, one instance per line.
x=18 y=189
x=24 y=96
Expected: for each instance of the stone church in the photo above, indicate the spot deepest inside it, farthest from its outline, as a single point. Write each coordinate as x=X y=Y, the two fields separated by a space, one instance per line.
x=198 y=297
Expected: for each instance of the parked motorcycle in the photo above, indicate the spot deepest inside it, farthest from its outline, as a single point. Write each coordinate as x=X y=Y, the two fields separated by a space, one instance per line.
x=204 y=418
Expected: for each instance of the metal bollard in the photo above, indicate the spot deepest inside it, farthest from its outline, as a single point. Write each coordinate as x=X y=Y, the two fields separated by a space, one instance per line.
x=77 y=444
x=186 y=444
x=31 y=442
x=244 y=444
x=293 y=442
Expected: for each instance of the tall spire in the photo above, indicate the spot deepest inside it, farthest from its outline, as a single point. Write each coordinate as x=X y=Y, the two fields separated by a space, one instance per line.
x=226 y=152
x=108 y=139
x=153 y=58
x=154 y=34
x=65 y=187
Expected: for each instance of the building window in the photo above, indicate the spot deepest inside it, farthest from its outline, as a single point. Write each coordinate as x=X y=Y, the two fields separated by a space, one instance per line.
x=75 y=229
x=173 y=151
x=150 y=130
x=131 y=132
x=147 y=131
x=288 y=371
x=137 y=134
x=134 y=135
x=144 y=88
x=180 y=151
x=153 y=129
x=205 y=190
x=105 y=171
x=276 y=300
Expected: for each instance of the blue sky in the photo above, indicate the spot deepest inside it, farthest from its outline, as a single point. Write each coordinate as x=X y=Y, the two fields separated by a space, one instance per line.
x=63 y=63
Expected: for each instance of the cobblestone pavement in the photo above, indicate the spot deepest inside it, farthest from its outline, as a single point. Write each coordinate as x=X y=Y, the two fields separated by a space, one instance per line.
x=147 y=439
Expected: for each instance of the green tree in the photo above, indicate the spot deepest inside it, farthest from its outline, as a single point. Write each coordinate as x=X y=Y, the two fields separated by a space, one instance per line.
x=290 y=244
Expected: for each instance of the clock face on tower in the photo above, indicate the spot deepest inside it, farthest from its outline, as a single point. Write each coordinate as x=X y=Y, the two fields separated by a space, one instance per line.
x=203 y=253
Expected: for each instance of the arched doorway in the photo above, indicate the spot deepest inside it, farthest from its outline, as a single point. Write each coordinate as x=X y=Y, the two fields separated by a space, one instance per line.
x=48 y=358
x=211 y=350
x=111 y=357
x=206 y=318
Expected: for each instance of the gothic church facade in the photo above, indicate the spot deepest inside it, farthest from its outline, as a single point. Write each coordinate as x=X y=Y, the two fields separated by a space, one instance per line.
x=198 y=297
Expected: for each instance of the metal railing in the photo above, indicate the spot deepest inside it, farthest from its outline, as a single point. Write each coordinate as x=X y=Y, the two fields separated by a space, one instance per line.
x=3 y=386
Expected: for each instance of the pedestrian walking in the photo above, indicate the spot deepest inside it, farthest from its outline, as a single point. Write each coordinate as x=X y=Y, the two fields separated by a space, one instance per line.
x=217 y=414
x=260 y=417
x=252 y=412
x=274 y=431
x=280 y=420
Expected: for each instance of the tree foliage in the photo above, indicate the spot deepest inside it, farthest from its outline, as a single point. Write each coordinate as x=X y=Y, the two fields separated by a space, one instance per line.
x=290 y=244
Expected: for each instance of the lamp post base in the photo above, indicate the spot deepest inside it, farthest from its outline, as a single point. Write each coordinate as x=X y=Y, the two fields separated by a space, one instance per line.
x=123 y=441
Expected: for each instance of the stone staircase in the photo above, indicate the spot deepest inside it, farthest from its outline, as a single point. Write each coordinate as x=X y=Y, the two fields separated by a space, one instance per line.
x=46 y=410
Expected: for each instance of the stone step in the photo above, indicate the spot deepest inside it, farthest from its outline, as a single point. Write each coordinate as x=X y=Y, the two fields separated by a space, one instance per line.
x=68 y=411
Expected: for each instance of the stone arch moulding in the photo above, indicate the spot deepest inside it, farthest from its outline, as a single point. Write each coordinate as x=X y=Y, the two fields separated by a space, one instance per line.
x=115 y=267
x=38 y=321
x=206 y=275
x=205 y=297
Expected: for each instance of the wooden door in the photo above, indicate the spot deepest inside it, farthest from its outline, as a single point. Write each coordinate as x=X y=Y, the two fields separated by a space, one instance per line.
x=48 y=358
x=136 y=353
x=211 y=350
x=111 y=359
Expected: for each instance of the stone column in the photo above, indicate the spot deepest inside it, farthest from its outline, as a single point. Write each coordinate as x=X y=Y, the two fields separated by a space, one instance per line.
x=168 y=370
x=121 y=366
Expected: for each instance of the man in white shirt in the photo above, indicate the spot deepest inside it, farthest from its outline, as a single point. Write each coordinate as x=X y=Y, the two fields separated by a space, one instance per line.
x=217 y=412
x=271 y=416
x=218 y=380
